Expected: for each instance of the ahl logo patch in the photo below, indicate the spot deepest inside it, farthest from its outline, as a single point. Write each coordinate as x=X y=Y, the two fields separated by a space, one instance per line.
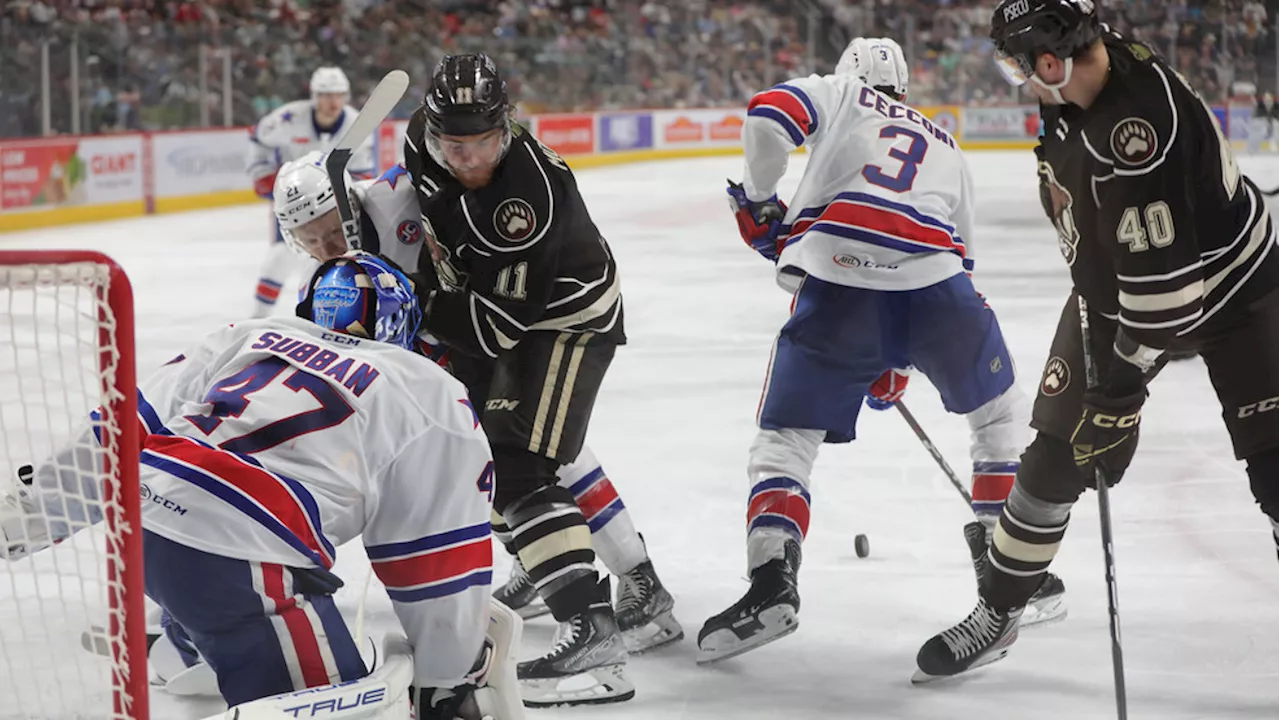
x=409 y=232
x=1057 y=376
x=514 y=219
x=1133 y=141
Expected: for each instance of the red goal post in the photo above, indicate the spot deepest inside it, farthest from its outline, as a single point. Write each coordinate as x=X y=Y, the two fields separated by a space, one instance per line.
x=72 y=626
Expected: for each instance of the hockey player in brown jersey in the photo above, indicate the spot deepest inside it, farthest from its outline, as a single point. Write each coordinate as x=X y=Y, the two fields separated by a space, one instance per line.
x=1172 y=249
x=528 y=292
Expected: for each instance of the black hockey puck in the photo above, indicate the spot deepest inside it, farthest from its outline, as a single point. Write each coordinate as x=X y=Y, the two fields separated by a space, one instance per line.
x=861 y=545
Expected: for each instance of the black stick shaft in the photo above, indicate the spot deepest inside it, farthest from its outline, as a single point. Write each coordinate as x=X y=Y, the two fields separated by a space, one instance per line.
x=933 y=450
x=1104 y=517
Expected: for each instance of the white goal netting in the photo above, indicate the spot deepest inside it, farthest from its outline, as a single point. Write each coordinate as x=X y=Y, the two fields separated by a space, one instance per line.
x=70 y=613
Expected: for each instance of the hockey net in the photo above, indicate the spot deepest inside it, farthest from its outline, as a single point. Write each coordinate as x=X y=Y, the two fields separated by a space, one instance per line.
x=72 y=631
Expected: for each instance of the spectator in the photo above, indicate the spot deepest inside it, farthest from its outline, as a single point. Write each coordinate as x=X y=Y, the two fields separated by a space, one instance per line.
x=558 y=55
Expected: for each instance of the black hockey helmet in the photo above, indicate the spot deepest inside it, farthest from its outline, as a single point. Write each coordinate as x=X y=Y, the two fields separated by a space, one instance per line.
x=466 y=97
x=1022 y=30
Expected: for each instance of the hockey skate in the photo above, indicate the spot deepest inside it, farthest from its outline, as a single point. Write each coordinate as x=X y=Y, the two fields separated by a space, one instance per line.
x=520 y=595
x=586 y=665
x=1047 y=603
x=767 y=612
x=983 y=637
x=643 y=610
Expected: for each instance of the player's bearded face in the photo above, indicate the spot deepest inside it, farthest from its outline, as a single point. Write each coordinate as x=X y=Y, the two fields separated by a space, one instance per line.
x=322 y=238
x=472 y=157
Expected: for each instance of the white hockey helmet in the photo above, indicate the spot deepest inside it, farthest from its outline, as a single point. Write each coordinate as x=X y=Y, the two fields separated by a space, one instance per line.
x=303 y=194
x=877 y=62
x=329 y=80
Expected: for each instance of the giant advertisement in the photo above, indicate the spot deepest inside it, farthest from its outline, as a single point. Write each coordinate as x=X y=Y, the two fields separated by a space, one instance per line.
x=195 y=163
x=59 y=172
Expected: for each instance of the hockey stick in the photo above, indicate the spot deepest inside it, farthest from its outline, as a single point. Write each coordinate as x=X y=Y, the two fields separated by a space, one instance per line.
x=933 y=450
x=381 y=102
x=1104 y=518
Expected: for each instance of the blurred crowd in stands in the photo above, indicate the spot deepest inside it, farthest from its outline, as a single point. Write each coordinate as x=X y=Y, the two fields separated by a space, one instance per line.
x=155 y=64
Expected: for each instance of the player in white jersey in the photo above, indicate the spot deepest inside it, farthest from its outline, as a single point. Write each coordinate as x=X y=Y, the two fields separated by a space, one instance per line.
x=876 y=246
x=391 y=225
x=273 y=441
x=287 y=133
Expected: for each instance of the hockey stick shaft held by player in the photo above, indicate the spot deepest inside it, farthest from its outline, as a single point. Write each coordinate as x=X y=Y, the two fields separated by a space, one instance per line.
x=1104 y=520
x=381 y=102
x=933 y=450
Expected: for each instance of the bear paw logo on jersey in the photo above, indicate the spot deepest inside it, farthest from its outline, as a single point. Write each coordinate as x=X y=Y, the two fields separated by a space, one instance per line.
x=1057 y=376
x=1133 y=141
x=514 y=219
x=409 y=232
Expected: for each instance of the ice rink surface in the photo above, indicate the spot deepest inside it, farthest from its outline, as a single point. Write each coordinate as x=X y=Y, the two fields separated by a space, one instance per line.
x=1197 y=569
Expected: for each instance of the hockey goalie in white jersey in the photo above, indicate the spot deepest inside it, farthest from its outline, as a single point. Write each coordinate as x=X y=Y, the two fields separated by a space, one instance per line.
x=877 y=246
x=288 y=133
x=391 y=225
x=273 y=442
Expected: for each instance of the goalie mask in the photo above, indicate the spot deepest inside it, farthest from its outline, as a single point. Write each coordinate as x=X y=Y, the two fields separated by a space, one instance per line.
x=307 y=210
x=878 y=62
x=363 y=295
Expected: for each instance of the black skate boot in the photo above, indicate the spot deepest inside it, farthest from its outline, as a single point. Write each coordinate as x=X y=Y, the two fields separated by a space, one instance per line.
x=587 y=647
x=767 y=612
x=520 y=595
x=983 y=637
x=1049 y=600
x=644 y=610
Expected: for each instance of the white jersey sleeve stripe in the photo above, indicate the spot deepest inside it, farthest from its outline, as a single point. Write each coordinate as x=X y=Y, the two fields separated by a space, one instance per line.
x=882 y=223
x=788 y=106
x=435 y=565
x=281 y=505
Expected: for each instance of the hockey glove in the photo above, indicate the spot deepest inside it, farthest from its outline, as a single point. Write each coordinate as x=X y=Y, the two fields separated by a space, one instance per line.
x=265 y=186
x=887 y=389
x=433 y=348
x=1107 y=434
x=759 y=223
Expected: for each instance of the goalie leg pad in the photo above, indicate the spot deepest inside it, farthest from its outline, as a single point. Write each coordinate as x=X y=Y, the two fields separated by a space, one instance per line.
x=382 y=695
x=258 y=633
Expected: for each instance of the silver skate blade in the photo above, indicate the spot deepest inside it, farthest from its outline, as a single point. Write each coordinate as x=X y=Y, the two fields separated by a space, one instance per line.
x=534 y=609
x=920 y=677
x=779 y=621
x=662 y=630
x=606 y=684
x=1045 y=612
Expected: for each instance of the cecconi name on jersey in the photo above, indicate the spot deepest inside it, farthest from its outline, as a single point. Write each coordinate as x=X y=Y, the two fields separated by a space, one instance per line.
x=869 y=98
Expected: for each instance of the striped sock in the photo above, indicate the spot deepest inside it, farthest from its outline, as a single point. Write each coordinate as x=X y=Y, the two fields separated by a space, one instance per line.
x=992 y=482
x=554 y=544
x=1020 y=554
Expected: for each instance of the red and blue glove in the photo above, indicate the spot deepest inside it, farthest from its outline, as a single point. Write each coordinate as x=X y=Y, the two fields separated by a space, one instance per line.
x=759 y=223
x=265 y=186
x=887 y=389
